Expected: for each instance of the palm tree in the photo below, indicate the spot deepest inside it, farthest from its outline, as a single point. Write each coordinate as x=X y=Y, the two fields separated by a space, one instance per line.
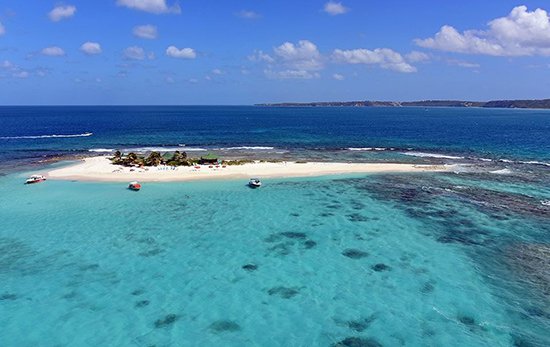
x=153 y=159
x=117 y=158
x=131 y=158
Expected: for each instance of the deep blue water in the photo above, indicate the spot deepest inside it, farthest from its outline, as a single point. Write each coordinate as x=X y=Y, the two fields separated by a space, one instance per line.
x=425 y=259
x=493 y=133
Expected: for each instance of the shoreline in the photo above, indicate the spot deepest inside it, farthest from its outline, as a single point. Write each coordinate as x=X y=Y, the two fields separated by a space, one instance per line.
x=100 y=169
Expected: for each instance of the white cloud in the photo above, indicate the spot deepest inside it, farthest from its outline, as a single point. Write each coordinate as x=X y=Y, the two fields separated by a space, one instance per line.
x=2 y=29
x=335 y=8
x=146 y=31
x=12 y=70
x=301 y=56
x=6 y=64
x=134 y=53
x=291 y=74
x=53 y=51
x=462 y=63
x=91 y=48
x=338 y=77
x=61 y=12
x=217 y=72
x=21 y=74
x=521 y=33
x=260 y=56
x=184 y=53
x=248 y=14
x=383 y=57
x=417 y=57
x=151 y=6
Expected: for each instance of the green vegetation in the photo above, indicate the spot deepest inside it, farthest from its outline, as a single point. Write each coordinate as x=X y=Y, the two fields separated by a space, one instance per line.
x=153 y=159
x=176 y=158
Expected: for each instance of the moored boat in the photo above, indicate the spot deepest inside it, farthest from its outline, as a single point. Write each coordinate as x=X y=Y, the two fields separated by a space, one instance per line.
x=35 y=179
x=254 y=183
x=135 y=186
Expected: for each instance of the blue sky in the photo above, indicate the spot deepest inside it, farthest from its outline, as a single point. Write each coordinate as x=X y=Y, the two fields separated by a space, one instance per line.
x=244 y=52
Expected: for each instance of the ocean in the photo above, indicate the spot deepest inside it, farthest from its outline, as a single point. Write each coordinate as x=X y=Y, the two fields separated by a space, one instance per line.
x=422 y=259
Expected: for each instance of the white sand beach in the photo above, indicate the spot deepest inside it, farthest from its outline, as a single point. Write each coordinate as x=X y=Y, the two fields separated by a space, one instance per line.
x=101 y=169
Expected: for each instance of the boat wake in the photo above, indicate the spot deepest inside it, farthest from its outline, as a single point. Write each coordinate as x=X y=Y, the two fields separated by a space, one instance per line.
x=45 y=136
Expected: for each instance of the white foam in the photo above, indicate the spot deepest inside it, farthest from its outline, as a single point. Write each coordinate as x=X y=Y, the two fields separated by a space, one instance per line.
x=360 y=149
x=531 y=162
x=502 y=172
x=535 y=163
x=45 y=136
x=431 y=155
x=253 y=148
x=163 y=149
x=101 y=150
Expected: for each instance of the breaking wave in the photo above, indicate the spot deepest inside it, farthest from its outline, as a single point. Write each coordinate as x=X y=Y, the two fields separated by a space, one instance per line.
x=431 y=155
x=45 y=136
x=253 y=148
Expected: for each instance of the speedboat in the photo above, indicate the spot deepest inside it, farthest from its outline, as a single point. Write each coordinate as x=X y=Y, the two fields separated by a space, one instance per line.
x=254 y=183
x=35 y=179
x=135 y=186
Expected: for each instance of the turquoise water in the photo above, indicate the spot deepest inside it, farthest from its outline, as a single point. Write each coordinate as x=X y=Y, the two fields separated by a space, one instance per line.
x=447 y=259
x=375 y=260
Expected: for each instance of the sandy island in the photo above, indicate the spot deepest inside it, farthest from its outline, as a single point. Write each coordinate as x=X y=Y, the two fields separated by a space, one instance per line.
x=101 y=169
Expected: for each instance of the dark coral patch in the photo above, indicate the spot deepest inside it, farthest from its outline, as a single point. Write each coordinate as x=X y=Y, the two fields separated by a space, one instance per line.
x=427 y=288
x=294 y=235
x=356 y=217
x=250 y=267
x=142 y=303
x=309 y=244
x=89 y=267
x=224 y=325
x=8 y=296
x=354 y=253
x=138 y=292
x=151 y=252
x=283 y=292
x=381 y=267
x=467 y=320
x=357 y=342
x=361 y=324
x=168 y=320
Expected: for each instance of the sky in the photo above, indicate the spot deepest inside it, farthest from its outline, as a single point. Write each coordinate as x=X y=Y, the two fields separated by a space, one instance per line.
x=231 y=52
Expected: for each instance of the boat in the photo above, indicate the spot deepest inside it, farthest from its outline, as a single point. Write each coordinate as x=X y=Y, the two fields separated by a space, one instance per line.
x=135 y=186
x=35 y=179
x=254 y=183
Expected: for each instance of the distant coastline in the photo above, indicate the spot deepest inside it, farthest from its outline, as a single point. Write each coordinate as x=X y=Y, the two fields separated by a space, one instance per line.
x=534 y=104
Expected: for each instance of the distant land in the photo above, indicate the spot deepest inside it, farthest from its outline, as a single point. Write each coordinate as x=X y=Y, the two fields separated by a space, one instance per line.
x=539 y=104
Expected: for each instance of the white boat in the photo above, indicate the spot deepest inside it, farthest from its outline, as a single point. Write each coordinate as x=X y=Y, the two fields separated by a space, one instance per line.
x=254 y=183
x=134 y=186
x=35 y=179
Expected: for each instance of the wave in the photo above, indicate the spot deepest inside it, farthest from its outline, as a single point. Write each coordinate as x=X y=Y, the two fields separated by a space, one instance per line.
x=529 y=162
x=45 y=136
x=101 y=150
x=360 y=149
x=163 y=149
x=431 y=155
x=253 y=148
x=502 y=172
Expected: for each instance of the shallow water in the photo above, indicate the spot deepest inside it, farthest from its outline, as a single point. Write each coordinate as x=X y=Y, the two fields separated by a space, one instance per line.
x=376 y=260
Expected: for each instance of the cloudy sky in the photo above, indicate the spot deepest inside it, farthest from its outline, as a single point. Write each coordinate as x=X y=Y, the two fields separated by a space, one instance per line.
x=252 y=51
